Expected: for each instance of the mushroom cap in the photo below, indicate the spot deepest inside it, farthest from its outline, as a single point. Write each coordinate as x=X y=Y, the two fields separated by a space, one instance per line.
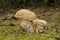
x=25 y=14
x=40 y=22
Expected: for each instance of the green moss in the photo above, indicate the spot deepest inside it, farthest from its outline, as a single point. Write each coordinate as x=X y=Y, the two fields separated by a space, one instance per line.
x=13 y=32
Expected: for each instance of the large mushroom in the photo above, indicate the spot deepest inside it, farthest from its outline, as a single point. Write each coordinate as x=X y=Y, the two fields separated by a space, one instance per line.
x=27 y=16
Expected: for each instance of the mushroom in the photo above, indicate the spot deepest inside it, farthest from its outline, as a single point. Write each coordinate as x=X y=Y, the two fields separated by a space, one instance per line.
x=27 y=16
x=40 y=25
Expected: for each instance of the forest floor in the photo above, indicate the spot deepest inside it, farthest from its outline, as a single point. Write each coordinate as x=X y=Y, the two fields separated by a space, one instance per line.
x=10 y=28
